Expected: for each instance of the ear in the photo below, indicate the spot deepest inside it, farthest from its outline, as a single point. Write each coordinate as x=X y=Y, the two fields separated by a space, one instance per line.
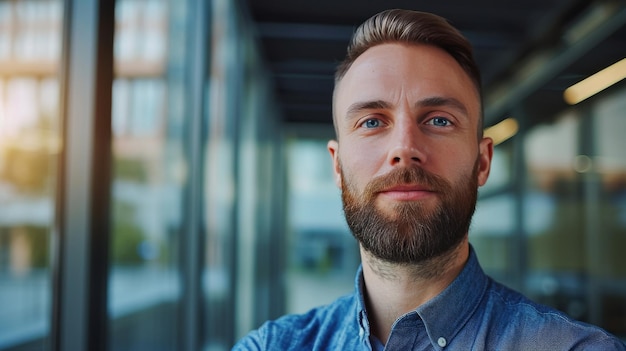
x=484 y=159
x=333 y=148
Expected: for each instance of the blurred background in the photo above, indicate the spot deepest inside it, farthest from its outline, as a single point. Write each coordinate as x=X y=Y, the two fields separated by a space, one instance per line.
x=165 y=183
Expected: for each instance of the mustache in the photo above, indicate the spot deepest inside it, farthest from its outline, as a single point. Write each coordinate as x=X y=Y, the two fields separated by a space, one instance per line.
x=405 y=176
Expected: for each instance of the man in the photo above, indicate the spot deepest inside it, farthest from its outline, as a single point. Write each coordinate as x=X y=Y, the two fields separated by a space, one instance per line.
x=409 y=158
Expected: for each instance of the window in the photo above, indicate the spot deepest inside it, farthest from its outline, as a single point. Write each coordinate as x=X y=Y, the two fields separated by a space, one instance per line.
x=30 y=38
x=148 y=177
x=322 y=254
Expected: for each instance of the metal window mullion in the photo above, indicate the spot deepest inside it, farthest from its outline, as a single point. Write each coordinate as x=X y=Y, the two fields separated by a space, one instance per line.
x=519 y=257
x=591 y=200
x=192 y=240
x=82 y=231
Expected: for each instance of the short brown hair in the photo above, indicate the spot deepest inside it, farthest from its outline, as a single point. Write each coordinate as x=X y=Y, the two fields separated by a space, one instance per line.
x=412 y=27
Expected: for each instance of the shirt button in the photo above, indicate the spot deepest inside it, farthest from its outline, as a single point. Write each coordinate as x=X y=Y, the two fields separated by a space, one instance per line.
x=442 y=342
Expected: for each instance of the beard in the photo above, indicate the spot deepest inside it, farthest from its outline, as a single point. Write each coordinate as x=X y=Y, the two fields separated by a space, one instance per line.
x=416 y=232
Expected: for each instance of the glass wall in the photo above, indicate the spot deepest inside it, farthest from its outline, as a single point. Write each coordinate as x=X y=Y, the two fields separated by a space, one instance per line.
x=322 y=254
x=554 y=215
x=194 y=179
x=606 y=205
x=220 y=150
x=195 y=186
x=148 y=117
x=574 y=212
x=242 y=198
x=30 y=52
x=496 y=242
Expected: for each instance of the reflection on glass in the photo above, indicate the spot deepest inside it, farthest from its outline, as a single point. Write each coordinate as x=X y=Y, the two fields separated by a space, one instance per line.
x=501 y=166
x=555 y=219
x=323 y=254
x=609 y=166
x=574 y=214
x=492 y=239
x=144 y=283
x=30 y=37
x=220 y=179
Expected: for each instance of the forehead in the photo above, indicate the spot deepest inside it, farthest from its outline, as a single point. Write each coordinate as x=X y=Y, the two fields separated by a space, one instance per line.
x=392 y=72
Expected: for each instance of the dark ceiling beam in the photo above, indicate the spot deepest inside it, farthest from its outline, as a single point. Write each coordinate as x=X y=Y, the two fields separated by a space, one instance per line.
x=305 y=83
x=492 y=40
x=303 y=65
x=305 y=31
x=542 y=66
x=544 y=31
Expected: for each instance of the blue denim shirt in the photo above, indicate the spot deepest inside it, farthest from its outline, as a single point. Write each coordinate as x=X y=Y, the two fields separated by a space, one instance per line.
x=473 y=313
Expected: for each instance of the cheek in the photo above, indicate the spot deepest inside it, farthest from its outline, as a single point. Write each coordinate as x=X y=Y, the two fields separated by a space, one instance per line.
x=455 y=163
x=360 y=164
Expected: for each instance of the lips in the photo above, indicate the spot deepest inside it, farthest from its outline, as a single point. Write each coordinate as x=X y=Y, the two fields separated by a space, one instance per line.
x=407 y=192
x=405 y=184
x=406 y=187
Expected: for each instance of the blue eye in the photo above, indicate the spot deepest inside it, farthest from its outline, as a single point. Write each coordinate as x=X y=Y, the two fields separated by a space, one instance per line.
x=371 y=123
x=440 y=122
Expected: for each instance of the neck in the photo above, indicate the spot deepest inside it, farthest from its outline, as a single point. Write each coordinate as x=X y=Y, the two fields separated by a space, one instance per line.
x=392 y=289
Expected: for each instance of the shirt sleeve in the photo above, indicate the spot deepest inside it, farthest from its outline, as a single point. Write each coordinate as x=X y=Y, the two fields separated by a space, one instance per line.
x=251 y=342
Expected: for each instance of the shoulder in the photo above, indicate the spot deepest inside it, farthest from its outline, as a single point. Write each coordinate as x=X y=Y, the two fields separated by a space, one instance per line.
x=524 y=322
x=303 y=331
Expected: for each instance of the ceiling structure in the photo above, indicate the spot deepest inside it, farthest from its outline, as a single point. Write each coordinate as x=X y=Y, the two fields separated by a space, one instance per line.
x=528 y=50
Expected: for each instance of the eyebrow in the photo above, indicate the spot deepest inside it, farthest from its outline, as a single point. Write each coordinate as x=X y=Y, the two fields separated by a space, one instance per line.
x=434 y=101
x=361 y=106
x=437 y=101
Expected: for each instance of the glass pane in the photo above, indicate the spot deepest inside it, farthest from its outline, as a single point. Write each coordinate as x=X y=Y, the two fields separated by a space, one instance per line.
x=501 y=167
x=219 y=199
x=148 y=175
x=323 y=254
x=607 y=234
x=30 y=51
x=555 y=217
x=493 y=240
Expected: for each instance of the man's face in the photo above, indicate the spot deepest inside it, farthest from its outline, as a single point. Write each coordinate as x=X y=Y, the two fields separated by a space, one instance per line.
x=407 y=158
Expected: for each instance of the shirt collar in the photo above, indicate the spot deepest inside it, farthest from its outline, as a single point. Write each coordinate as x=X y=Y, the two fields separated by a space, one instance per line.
x=445 y=314
x=359 y=284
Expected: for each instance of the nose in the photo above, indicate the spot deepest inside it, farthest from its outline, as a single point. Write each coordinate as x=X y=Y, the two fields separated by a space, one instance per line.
x=407 y=145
